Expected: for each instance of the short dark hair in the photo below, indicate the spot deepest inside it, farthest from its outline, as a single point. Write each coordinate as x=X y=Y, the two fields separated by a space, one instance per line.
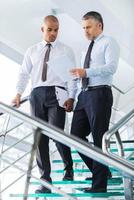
x=95 y=15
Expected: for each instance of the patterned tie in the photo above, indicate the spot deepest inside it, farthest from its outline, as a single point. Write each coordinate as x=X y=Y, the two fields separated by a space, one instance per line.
x=86 y=64
x=46 y=58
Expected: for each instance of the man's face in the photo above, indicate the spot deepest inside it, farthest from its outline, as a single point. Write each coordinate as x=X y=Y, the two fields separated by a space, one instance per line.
x=92 y=28
x=50 y=30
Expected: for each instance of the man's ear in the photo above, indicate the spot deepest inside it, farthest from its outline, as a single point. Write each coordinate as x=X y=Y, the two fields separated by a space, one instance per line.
x=100 y=25
x=42 y=29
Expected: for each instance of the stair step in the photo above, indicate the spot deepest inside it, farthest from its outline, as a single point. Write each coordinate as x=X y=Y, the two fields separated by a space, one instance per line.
x=125 y=149
x=53 y=195
x=110 y=181
x=80 y=160
x=124 y=142
x=81 y=170
x=112 y=150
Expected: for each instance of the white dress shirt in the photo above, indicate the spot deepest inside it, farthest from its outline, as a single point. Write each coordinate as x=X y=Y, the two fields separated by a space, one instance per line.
x=104 y=61
x=32 y=67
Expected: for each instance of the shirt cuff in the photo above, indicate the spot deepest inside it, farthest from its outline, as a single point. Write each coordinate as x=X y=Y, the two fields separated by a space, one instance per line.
x=89 y=72
x=19 y=91
x=71 y=95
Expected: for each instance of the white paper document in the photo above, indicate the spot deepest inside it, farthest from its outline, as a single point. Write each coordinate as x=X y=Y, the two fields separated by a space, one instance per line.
x=61 y=66
x=61 y=95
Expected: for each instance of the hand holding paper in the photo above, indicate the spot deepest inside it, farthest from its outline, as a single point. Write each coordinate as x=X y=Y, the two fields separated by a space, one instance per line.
x=78 y=72
x=61 y=95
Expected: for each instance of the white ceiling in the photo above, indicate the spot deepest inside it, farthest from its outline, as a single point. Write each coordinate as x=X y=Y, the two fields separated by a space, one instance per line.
x=20 y=21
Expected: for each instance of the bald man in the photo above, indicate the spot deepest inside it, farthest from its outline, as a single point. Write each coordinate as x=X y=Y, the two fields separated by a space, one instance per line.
x=43 y=100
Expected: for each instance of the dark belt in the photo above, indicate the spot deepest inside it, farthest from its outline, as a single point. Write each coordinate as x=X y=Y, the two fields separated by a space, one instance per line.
x=95 y=87
x=63 y=88
x=51 y=87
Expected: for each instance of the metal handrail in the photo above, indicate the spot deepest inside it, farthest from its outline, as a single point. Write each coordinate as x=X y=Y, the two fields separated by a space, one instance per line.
x=116 y=88
x=5 y=131
x=125 y=173
x=23 y=100
x=19 y=141
x=128 y=184
x=70 y=140
x=87 y=149
x=114 y=130
x=122 y=92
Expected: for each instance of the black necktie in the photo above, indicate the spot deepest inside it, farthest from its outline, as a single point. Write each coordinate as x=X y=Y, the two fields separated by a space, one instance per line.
x=46 y=58
x=86 y=65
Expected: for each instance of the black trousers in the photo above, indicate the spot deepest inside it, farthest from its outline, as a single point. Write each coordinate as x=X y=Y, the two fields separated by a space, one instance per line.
x=92 y=115
x=45 y=106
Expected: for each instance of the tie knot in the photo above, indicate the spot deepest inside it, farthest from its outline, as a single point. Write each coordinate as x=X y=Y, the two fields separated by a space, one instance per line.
x=92 y=42
x=48 y=45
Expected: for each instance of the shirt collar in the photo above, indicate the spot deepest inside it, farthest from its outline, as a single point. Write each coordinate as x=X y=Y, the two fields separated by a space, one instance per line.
x=52 y=43
x=98 y=37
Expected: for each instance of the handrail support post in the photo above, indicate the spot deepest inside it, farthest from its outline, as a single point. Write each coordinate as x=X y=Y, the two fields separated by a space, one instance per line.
x=37 y=134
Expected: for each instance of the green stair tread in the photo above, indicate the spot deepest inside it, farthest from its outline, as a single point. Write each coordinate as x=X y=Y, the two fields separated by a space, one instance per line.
x=109 y=190
x=112 y=180
x=113 y=150
x=131 y=158
x=61 y=161
x=80 y=170
x=108 y=194
x=63 y=182
x=78 y=160
x=125 y=149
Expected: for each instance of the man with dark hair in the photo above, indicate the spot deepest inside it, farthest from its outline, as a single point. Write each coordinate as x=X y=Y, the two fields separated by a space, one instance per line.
x=44 y=103
x=94 y=15
x=93 y=109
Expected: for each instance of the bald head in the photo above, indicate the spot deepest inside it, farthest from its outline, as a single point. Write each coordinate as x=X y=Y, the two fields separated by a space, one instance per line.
x=50 y=28
x=51 y=18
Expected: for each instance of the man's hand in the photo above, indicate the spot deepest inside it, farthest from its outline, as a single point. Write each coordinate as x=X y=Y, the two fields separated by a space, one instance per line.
x=78 y=72
x=16 y=100
x=68 y=105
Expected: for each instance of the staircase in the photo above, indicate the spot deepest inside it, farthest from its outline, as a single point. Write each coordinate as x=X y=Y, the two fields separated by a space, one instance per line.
x=74 y=188
x=14 y=162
